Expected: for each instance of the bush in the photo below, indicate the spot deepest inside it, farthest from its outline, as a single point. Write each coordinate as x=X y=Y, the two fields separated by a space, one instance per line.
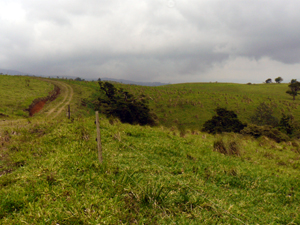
x=264 y=116
x=224 y=121
x=227 y=148
x=286 y=124
x=268 y=131
x=119 y=103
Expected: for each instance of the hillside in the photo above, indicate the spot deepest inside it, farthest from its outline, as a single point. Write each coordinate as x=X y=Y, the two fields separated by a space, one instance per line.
x=190 y=105
x=18 y=92
x=49 y=173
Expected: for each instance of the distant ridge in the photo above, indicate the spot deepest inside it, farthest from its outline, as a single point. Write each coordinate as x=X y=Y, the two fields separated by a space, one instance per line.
x=15 y=72
x=12 y=72
x=134 y=82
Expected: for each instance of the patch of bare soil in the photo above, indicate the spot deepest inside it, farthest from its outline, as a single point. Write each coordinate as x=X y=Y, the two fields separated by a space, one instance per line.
x=39 y=103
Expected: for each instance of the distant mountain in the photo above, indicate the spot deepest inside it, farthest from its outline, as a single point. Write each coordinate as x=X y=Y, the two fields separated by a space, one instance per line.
x=15 y=72
x=12 y=72
x=115 y=80
x=134 y=82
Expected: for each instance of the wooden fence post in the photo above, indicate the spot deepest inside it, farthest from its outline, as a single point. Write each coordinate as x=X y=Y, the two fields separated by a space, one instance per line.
x=99 y=138
x=69 y=112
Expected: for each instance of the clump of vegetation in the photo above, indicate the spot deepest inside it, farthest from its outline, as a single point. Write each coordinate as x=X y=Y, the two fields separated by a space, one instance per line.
x=263 y=115
x=224 y=121
x=265 y=124
x=79 y=79
x=227 y=147
x=289 y=126
x=267 y=131
x=119 y=103
x=286 y=124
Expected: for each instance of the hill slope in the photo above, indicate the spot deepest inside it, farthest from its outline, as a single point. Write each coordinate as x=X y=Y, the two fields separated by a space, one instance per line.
x=49 y=173
x=149 y=175
x=18 y=92
x=189 y=105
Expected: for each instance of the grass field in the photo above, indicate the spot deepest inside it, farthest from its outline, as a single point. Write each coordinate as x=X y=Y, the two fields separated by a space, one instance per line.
x=18 y=92
x=150 y=175
x=190 y=105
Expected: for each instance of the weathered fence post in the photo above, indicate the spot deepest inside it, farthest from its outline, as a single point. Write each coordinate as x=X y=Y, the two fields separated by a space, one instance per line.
x=69 y=112
x=99 y=138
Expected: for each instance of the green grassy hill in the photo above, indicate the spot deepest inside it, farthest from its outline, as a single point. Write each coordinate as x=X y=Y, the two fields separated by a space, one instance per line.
x=18 y=92
x=49 y=173
x=190 y=105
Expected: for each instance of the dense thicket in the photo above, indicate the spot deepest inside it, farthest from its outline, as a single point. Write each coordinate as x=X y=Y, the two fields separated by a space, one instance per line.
x=224 y=121
x=120 y=103
x=267 y=131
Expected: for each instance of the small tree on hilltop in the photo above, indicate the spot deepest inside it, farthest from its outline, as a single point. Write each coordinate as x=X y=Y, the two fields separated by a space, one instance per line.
x=278 y=80
x=268 y=81
x=294 y=89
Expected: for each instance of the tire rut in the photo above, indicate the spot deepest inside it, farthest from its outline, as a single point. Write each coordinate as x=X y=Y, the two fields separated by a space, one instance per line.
x=54 y=112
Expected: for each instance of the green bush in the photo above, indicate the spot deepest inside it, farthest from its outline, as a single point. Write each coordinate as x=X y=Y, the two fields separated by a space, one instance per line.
x=264 y=116
x=224 y=121
x=119 y=103
x=268 y=131
x=289 y=126
x=286 y=124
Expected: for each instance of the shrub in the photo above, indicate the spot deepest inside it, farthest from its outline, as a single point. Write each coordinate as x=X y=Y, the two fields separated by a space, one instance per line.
x=286 y=124
x=224 y=121
x=119 y=103
x=264 y=116
x=268 y=131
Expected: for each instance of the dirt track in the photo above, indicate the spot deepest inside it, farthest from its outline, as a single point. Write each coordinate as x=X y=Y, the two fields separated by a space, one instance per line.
x=67 y=92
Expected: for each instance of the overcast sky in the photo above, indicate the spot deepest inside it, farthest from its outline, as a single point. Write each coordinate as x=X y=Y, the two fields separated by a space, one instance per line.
x=153 y=40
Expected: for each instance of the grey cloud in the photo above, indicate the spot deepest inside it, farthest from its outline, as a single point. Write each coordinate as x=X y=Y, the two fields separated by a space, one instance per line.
x=147 y=40
x=252 y=28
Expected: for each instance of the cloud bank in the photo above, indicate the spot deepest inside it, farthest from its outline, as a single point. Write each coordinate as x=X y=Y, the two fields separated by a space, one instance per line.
x=157 y=40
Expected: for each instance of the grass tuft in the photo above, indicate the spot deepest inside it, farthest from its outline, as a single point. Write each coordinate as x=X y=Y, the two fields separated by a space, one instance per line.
x=227 y=147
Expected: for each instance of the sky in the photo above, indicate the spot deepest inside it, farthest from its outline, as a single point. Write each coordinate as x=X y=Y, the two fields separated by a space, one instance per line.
x=171 y=41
